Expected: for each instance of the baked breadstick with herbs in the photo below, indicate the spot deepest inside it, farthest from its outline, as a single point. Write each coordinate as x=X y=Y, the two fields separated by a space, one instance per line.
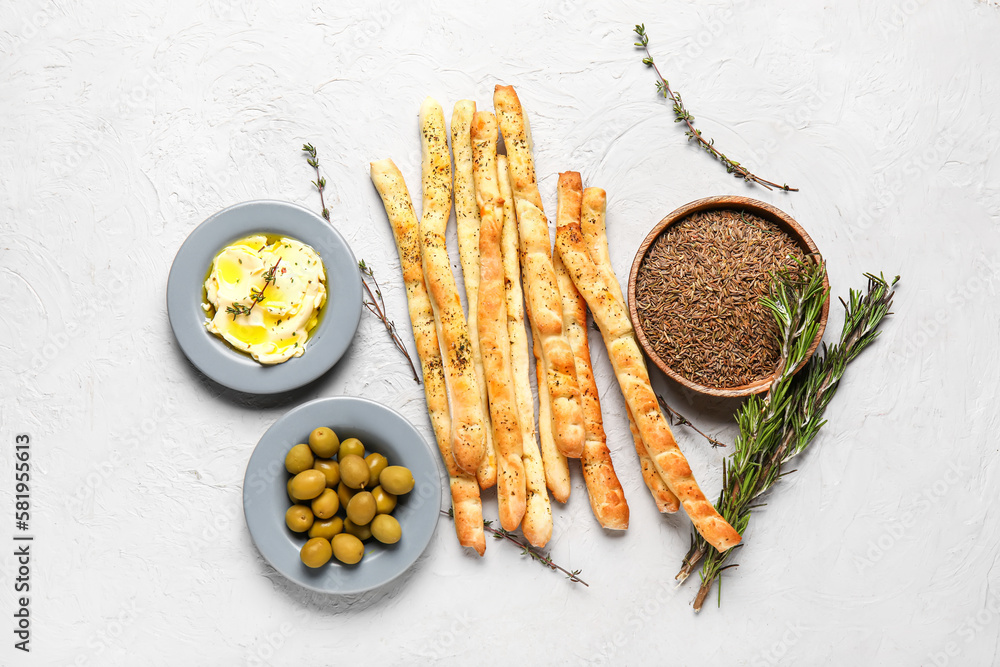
x=492 y=323
x=467 y=224
x=592 y=225
x=465 y=501
x=555 y=466
x=468 y=430
x=630 y=370
x=607 y=498
x=537 y=522
x=545 y=307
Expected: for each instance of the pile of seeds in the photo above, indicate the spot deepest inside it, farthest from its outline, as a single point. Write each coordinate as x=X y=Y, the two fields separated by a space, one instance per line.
x=698 y=294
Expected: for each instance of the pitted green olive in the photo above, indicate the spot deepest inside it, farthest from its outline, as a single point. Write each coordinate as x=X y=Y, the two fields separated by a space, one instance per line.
x=326 y=504
x=354 y=471
x=299 y=458
x=376 y=464
x=324 y=442
x=347 y=548
x=327 y=528
x=299 y=518
x=351 y=446
x=386 y=529
x=385 y=502
x=361 y=509
x=308 y=484
x=397 y=480
x=331 y=469
x=316 y=552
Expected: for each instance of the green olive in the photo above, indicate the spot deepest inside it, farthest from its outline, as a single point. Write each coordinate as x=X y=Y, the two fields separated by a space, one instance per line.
x=347 y=548
x=351 y=446
x=397 y=480
x=386 y=529
x=354 y=471
x=331 y=469
x=326 y=504
x=299 y=518
x=376 y=464
x=324 y=442
x=288 y=487
x=345 y=493
x=316 y=552
x=308 y=484
x=361 y=509
x=327 y=528
x=298 y=458
x=362 y=532
x=385 y=502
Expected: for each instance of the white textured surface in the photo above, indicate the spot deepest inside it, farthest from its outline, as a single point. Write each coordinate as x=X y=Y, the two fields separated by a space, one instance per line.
x=124 y=124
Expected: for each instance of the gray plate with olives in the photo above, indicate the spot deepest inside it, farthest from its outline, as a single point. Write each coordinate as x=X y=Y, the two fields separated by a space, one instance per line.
x=381 y=430
x=186 y=295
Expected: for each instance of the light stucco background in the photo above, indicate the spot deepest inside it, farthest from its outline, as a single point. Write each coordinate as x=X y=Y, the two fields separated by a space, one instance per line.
x=125 y=124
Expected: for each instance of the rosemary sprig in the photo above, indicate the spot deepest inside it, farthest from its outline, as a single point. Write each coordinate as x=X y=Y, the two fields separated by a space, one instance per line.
x=785 y=422
x=256 y=295
x=373 y=300
x=528 y=550
x=682 y=115
x=679 y=419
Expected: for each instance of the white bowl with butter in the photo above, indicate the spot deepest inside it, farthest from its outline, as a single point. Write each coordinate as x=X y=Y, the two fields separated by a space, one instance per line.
x=301 y=321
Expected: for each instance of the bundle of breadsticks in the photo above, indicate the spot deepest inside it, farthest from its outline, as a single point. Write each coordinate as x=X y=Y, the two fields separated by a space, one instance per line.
x=477 y=369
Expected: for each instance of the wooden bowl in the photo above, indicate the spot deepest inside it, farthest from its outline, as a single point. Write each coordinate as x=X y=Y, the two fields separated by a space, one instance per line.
x=765 y=211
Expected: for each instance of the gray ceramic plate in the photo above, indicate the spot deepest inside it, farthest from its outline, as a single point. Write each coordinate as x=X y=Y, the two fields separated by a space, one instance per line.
x=327 y=342
x=382 y=430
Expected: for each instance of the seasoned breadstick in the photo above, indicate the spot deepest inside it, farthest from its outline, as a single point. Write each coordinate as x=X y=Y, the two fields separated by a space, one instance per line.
x=607 y=499
x=630 y=370
x=492 y=322
x=555 y=466
x=593 y=211
x=468 y=432
x=467 y=224
x=465 y=501
x=537 y=522
x=545 y=308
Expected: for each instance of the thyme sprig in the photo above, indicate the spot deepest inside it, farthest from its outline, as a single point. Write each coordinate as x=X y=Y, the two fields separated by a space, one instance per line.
x=679 y=419
x=373 y=297
x=527 y=550
x=782 y=424
x=376 y=305
x=320 y=182
x=682 y=115
x=256 y=295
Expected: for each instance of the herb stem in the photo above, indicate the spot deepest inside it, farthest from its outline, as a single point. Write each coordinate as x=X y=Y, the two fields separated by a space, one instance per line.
x=683 y=115
x=678 y=418
x=374 y=301
x=528 y=550
x=786 y=421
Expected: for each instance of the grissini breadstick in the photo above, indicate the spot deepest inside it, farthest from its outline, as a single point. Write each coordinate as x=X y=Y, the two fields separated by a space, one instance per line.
x=555 y=466
x=537 y=522
x=630 y=370
x=467 y=224
x=592 y=225
x=468 y=431
x=465 y=501
x=492 y=322
x=545 y=308
x=607 y=498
